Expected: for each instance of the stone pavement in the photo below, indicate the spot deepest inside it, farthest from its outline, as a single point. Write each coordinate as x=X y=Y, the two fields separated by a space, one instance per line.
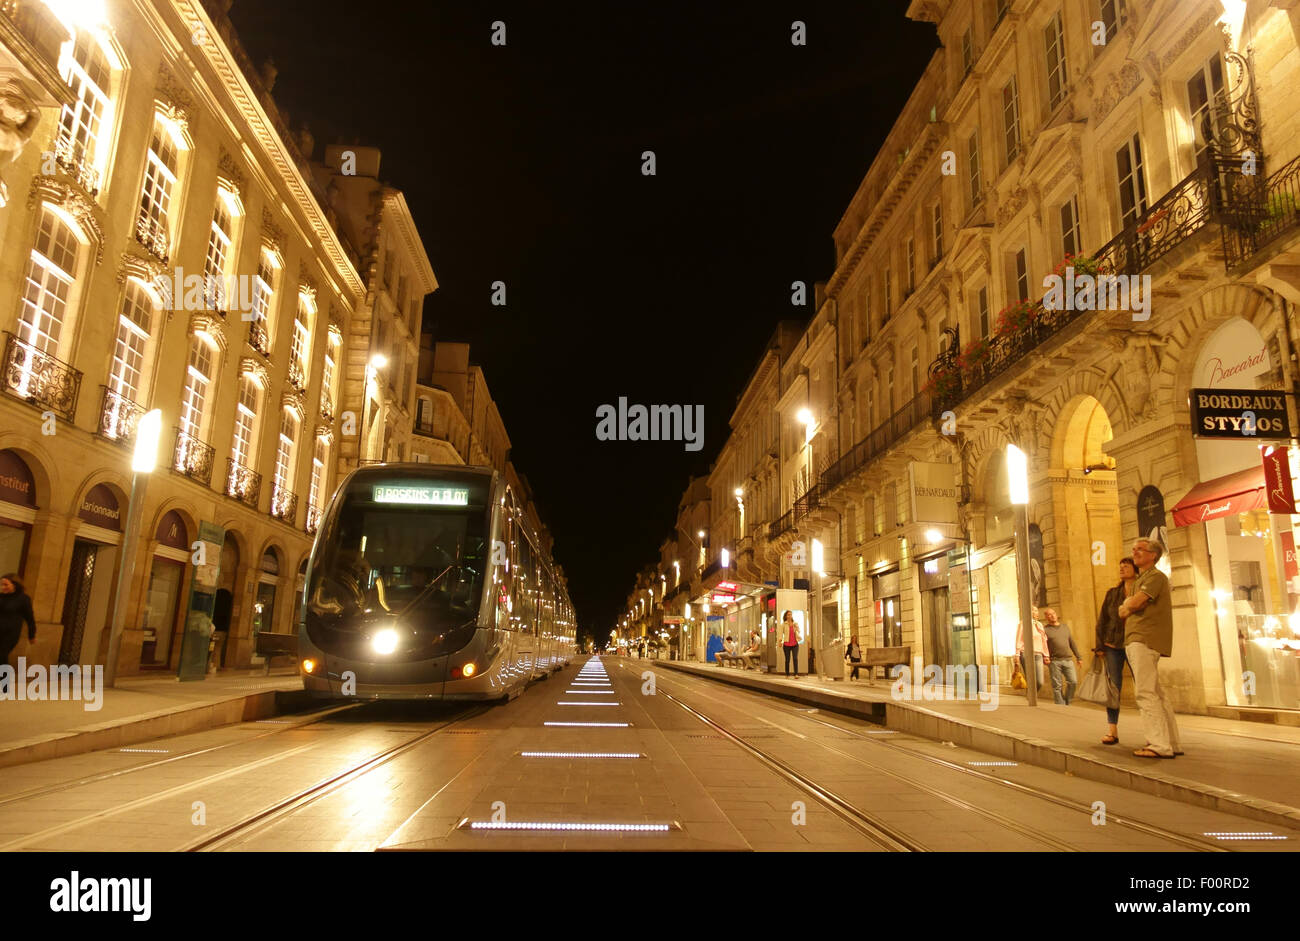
x=1241 y=767
x=141 y=708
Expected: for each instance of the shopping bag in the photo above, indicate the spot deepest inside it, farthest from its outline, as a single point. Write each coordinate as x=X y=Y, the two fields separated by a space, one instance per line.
x=1097 y=686
x=1018 y=678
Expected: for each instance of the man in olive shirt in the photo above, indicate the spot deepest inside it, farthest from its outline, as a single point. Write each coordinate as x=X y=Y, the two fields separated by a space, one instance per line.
x=1149 y=635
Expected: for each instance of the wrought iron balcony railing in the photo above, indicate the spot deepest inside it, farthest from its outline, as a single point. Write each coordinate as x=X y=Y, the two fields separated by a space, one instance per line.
x=284 y=504
x=243 y=483
x=313 y=520
x=152 y=234
x=258 y=339
x=118 y=417
x=783 y=523
x=916 y=411
x=71 y=156
x=192 y=458
x=39 y=379
x=297 y=377
x=1272 y=211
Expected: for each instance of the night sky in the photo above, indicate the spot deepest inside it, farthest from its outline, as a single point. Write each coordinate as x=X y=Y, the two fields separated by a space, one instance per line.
x=523 y=164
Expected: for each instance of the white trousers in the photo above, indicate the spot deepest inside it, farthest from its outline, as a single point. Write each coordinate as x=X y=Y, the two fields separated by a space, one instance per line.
x=1158 y=720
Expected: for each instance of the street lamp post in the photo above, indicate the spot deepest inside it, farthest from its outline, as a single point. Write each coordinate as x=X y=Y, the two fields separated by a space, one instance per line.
x=1018 y=484
x=144 y=459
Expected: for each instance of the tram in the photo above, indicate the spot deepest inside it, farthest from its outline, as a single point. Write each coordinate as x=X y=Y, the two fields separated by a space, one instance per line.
x=427 y=582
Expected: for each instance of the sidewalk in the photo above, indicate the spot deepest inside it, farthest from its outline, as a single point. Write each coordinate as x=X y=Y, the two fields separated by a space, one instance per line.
x=141 y=708
x=1240 y=767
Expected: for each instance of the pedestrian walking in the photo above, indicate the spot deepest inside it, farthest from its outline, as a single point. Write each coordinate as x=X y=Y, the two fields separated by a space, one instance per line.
x=1149 y=635
x=1110 y=641
x=791 y=645
x=1063 y=657
x=853 y=653
x=1040 y=648
x=15 y=610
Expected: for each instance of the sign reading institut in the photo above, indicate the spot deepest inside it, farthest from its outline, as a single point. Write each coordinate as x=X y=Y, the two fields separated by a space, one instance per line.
x=1247 y=414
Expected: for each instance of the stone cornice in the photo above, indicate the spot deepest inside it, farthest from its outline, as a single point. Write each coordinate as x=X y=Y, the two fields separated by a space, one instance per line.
x=260 y=130
x=398 y=214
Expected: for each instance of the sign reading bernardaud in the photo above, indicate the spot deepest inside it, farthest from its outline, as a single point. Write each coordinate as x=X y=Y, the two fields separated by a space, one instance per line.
x=1249 y=414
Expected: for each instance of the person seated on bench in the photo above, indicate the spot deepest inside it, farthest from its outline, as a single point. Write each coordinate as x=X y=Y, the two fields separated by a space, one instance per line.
x=753 y=653
x=728 y=652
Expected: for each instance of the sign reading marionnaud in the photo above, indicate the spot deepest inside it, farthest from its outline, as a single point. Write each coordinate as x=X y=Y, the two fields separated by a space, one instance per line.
x=1248 y=414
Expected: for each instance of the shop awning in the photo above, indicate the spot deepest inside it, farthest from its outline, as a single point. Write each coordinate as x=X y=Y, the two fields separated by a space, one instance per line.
x=1223 y=496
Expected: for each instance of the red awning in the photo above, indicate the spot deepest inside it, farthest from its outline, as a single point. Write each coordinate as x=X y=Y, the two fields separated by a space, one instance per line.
x=1223 y=496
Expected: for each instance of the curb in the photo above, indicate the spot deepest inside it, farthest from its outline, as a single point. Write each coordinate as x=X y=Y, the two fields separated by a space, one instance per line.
x=121 y=732
x=917 y=720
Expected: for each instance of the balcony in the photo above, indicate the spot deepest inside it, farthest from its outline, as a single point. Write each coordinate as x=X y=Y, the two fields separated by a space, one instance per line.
x=313 y=520
x=783 y=523
x=39 y=379
x=152 y=234
x=192 y=458
x=297 y=377
x=1270 y=213
x=916 y=412
x=284 y=504
x=243 y=483
x=118 y=417
x=258 y=339
x=72 y=157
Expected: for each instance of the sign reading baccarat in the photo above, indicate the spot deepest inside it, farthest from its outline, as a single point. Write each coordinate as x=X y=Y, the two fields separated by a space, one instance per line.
x=1247 y=414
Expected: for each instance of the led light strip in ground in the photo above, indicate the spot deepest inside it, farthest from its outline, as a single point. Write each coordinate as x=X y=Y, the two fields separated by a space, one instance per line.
x=994 y=764
x=590 y=692
x=583 y=827
x=570 y=703
x=149 y=751
x=593 y=725
x=580 y=754
x=1268 y=835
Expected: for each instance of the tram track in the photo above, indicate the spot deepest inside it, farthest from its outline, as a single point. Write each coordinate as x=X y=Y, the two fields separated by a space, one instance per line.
x=307 y=796
x=842 y=806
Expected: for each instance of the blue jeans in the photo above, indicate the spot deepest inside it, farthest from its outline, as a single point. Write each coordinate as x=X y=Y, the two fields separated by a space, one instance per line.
x=792 y=654
x=1063 y=669
x=1115 y=660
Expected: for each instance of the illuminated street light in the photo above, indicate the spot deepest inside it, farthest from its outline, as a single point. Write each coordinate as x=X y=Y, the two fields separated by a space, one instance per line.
x=144 y=460
x=933 y=536
x=1018 y=491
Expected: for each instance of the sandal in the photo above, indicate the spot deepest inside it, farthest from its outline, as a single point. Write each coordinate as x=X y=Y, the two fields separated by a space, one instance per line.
x=1148 y=753
x=1110 y=740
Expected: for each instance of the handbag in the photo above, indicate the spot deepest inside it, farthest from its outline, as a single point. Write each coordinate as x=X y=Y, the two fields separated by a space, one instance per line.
x=1018 y=678
x=1097 y=685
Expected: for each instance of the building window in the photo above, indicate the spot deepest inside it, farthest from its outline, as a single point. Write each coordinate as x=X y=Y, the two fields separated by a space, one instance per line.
x=916 y=370
x=967 y=52
x=1070 y=241
x=1020 y=275
x=161 y=168
x=1010 y=121
x=936 y=233
x=1202 y=88
x=327 y=379
x=133 y=328
x=300 y=349
x=1132 y=182
x=1000 y=8
x=889 y=293
x=198 y=379
x=284 y=450
x=263 y=298
x=973 y=167
x=87 y=74
x=982 y=311
x=220 y=234
x=911 y=266
x=51 y=272
x=1057 y=75
x=1114 y=14
x=245 y=421
x=316 y=495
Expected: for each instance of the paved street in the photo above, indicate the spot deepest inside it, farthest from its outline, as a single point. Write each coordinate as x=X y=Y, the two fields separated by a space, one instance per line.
x=696 y=766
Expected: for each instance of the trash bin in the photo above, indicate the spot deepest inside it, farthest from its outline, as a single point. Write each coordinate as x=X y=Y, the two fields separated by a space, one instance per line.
x=832 y=658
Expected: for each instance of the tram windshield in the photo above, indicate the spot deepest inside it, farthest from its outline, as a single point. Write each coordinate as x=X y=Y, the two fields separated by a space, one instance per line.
x=418 y=562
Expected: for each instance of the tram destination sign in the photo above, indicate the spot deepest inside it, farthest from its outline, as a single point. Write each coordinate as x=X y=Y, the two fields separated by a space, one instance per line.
x=421 y=495
x=1247 y=414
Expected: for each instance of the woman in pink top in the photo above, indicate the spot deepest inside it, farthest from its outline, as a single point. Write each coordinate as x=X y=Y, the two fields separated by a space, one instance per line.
x=791 y=644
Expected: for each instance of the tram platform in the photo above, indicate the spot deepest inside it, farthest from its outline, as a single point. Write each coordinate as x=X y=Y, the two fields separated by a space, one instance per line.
x=1241 y=767
x=141 y=708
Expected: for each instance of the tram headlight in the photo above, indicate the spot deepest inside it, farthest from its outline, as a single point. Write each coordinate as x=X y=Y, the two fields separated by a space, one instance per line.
x=309 y=665
x=385 y=641
x=469 y=670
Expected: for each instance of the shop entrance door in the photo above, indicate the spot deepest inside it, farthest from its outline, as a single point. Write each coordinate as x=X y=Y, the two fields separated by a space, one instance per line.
x=938 y=622
x=76 y=601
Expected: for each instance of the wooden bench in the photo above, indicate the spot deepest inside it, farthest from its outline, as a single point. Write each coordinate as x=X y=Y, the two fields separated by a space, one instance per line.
x=722 y=658
x=268 y=644
x=886 y=657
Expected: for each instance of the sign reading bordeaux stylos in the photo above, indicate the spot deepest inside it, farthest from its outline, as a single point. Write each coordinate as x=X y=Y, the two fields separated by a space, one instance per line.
x=1251 y=414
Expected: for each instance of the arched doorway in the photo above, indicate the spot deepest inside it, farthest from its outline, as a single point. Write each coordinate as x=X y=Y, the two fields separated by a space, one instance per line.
x=268 y=579
x=163 y=598
x=1088 y=537
x=91 y=573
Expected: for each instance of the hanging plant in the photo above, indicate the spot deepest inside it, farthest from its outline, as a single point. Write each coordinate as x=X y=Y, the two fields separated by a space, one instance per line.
x=1018 y=317
x=1082 y=264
